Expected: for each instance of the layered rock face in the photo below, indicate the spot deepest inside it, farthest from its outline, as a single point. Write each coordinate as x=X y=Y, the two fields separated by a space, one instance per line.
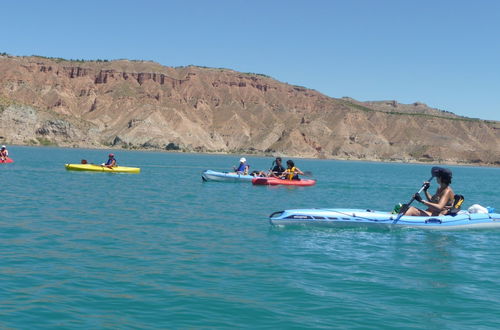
x=133 y=104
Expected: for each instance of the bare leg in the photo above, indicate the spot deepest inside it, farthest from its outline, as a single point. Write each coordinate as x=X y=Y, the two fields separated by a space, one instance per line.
x=413 y=211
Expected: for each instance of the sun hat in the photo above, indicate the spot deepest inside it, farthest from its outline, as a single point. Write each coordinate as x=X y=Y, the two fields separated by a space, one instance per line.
x=243 y=159
x=3 y=147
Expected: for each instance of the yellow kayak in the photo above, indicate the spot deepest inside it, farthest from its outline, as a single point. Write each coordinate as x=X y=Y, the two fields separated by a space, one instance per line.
x=99 y=168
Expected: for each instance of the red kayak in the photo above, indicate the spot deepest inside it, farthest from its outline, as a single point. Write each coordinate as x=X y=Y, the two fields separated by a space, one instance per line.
x=277 y=181
x=8 y=160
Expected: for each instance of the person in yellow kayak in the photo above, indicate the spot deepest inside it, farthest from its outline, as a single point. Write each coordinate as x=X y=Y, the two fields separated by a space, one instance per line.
x=292 y=172
x=111 y=161
x=4 y=153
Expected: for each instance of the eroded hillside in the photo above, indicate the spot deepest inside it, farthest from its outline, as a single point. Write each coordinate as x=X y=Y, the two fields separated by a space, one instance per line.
x=134 y=104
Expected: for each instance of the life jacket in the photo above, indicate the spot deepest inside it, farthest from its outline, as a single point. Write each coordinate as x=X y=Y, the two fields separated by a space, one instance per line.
x=110 y=161
x=242 y=167
x=457 y=204
x=291 y=173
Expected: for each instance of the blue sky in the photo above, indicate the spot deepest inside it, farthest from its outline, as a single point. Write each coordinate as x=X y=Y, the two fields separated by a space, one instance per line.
x=442 y=53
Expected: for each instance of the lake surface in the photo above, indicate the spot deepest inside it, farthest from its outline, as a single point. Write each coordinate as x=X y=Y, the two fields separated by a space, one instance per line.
x=161 y=249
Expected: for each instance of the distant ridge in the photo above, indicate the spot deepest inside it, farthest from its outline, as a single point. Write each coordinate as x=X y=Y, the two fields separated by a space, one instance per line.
x=144 y=105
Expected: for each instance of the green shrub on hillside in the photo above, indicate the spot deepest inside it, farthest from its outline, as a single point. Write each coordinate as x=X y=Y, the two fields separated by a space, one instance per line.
x=414 y=114
x=45 y=142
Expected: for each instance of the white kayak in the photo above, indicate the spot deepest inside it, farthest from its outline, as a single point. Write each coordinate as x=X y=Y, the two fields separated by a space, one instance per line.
x=210 y=175
x=369 y=218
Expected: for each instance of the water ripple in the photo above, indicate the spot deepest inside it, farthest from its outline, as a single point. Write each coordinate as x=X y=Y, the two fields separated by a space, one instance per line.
x=163 y=250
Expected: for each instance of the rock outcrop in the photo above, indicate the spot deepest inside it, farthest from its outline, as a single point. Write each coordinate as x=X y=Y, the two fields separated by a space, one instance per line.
x=136 y=104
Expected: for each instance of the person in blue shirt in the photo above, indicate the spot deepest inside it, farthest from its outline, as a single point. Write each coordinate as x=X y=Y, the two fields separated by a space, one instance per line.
x=111 y=161
x=242 y=167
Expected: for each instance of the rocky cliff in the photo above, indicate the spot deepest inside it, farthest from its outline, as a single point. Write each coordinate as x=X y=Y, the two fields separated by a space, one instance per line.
x=136 y=104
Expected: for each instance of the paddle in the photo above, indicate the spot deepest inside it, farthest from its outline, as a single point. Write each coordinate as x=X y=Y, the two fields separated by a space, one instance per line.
x=434 y=172
x=305 y=173
x=271 y=172
x=108 y=167
x=272 y=166
x=85 y=162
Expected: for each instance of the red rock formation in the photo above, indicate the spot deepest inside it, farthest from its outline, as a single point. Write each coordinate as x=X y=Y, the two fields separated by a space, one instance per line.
x=146 y=105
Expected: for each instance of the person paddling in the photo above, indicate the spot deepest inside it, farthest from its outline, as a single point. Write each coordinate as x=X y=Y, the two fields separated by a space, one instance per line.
x=274 y=172
x=111 y=162
x=292 y=172
x=4 y=153
x=440 y=202
x=278 y=169
x=242 y=167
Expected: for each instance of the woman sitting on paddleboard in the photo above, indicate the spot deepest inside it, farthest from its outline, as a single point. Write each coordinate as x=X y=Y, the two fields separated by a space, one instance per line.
x=292 y=172
x=440 y=202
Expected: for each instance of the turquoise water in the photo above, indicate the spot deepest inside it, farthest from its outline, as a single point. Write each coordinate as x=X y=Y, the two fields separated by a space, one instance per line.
x=161 y=249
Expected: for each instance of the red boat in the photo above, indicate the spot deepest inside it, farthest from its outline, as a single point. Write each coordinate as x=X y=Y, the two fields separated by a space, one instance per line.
x=8 y=160
x=277 y=181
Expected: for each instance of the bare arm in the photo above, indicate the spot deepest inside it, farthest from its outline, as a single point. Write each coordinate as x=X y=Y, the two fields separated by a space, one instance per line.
x=113 y=164
x=284 y=174
x=427 y=195
x=440 y=206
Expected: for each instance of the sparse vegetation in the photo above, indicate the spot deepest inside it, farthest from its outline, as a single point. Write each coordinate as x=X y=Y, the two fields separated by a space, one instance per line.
x=414 y=114
x=191 y=65
x=201 y=67
x=258 y=74
x=45 y=142
x=56 y=59
x=60 y=59
x=123 y=90
x=5 y=103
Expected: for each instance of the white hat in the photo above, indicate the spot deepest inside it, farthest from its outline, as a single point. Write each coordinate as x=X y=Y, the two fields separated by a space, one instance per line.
x=242 y=160
x=4 y=147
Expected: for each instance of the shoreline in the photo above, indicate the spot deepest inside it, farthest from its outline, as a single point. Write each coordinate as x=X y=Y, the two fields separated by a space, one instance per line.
x=272 y=155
